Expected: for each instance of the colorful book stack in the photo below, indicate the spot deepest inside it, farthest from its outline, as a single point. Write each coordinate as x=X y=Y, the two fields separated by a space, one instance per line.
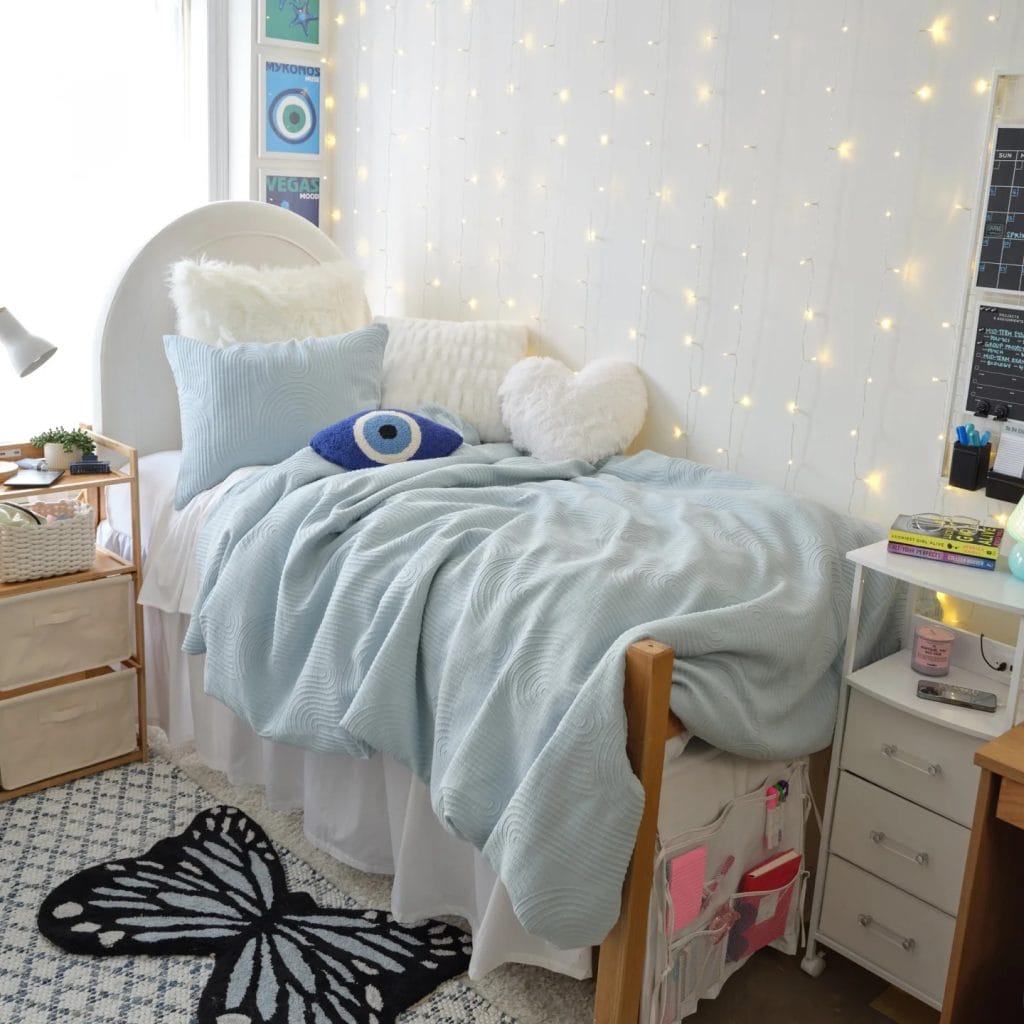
x=975 y=545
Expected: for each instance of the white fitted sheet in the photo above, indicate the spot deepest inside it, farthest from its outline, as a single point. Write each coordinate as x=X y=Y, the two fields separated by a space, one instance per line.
x=371 y=814
x=169 y=536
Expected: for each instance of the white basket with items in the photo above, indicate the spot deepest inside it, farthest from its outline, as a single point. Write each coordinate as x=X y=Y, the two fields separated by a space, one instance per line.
x=45 y=538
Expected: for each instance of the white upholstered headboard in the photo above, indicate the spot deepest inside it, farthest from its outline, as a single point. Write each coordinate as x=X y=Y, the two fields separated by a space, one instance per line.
x=136 y=400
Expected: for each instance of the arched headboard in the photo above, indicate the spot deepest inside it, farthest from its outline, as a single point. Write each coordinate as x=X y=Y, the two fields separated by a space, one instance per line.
x=136 y=400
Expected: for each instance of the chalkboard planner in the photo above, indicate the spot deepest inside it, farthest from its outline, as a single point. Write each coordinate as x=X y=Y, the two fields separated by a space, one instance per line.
x=1001 y=256
x=997 y=372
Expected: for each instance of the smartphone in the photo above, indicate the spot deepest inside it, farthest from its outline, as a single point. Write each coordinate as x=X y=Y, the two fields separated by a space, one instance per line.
x=959 y=696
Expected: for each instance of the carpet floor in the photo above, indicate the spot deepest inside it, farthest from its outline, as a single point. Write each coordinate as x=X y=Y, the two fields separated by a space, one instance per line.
x=48 y=836
x=51 y=835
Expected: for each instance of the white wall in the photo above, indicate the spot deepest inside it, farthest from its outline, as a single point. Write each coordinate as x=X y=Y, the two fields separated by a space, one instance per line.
x=710 y=188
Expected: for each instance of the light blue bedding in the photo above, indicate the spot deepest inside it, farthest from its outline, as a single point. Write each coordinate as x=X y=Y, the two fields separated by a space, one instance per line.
x=469 y=617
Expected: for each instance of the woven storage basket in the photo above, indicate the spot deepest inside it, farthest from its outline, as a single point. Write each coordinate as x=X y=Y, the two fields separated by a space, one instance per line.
x=48 y=549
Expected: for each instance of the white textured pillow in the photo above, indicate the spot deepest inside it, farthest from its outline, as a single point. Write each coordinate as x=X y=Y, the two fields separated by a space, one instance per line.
x=225 y=303
x=456 y=364
x=554 y=413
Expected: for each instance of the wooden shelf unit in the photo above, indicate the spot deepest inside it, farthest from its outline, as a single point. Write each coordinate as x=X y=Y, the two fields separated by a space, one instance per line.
x=90 y=488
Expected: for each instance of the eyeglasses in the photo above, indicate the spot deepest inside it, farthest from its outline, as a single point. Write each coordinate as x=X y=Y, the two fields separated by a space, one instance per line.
x=933 y=522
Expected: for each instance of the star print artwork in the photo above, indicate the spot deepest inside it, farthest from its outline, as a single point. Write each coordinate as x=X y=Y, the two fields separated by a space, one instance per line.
x=292 y=21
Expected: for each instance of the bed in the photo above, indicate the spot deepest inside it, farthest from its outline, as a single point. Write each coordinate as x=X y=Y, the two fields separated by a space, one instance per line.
x=373 y=813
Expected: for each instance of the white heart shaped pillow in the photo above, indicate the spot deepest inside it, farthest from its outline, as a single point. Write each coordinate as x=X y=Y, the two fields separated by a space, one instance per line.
x=553 y=413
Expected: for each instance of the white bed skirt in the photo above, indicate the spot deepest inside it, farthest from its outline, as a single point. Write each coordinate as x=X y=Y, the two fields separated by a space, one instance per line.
x=374 y=815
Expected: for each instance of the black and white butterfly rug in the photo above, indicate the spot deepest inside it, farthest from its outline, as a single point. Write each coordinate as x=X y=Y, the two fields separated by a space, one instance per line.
x=47 y=838
x=219 y=889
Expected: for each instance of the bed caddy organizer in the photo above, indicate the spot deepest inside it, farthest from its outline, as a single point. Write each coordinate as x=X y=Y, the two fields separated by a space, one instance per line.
x=701 y=928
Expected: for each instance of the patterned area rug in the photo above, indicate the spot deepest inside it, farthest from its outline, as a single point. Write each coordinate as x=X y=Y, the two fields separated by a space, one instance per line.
x=48 y=837
x=219 y=889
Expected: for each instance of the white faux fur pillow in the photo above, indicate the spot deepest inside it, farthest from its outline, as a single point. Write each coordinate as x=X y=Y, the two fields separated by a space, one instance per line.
x=553 y=413
x=224 y=303
x=456 y=364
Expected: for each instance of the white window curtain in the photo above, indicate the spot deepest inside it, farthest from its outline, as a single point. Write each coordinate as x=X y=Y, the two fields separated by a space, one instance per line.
x=95 y=156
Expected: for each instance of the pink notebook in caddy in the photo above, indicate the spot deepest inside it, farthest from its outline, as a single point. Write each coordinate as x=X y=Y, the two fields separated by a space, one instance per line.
x=686 y=885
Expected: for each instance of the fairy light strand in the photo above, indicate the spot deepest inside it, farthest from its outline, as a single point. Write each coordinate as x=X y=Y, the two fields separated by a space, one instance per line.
x=361 y=252
x=390 y=136
x=740 y=397
x=554 y=182
x=605 y=142
x=463 y=140
x=509 y=92
x=694 y=311
x=888 y=301
x=656 y=198
x=831 y=165
x=427 y=167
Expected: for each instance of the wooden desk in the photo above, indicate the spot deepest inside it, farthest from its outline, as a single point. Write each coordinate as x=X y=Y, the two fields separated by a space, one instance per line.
x=986 y=970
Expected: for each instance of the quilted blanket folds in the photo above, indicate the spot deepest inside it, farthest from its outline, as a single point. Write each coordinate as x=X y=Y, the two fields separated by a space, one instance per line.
x=469 y=616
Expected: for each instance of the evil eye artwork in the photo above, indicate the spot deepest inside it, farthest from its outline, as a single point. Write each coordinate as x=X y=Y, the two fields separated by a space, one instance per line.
x=293 y=115
x=382 y=436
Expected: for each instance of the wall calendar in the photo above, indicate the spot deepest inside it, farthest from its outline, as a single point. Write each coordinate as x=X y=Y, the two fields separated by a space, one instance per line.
x=1001 y=257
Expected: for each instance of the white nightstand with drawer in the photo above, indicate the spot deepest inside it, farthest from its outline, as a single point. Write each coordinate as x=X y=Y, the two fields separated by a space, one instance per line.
x=72 y=677
x=902 y=786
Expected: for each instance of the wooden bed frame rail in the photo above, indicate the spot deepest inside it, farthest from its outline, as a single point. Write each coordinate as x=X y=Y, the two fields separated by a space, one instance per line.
x=621 y=956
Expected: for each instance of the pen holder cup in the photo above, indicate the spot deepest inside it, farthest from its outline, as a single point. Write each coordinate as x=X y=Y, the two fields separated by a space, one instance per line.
x=969 y=466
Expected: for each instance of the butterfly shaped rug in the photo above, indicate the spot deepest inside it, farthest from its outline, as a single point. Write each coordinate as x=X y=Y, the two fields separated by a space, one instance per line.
x=219 y=890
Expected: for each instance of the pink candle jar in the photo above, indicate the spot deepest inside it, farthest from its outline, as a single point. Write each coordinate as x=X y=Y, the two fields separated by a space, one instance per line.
x=932 y=646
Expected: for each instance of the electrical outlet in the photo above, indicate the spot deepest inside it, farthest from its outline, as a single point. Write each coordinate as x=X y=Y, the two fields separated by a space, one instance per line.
x=9 y=453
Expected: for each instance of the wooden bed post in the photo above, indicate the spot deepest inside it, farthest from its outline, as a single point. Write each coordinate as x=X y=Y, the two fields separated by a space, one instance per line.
x=621 y=958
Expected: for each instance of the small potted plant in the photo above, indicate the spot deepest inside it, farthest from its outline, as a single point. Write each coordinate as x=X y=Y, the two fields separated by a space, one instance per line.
x=62 y=447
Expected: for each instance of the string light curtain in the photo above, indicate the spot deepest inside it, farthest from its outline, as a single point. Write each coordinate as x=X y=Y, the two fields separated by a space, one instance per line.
x=768 y=206
x=96 y=158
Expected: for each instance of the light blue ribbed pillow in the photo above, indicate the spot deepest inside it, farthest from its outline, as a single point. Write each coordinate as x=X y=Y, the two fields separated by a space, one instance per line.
x=256 y=403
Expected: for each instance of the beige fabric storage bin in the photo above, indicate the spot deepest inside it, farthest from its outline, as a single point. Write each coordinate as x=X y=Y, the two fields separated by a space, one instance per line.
x=67 y=727
x=62 y=630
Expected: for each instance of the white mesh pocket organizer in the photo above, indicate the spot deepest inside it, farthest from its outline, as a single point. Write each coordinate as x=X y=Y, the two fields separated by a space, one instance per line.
x=702 y=927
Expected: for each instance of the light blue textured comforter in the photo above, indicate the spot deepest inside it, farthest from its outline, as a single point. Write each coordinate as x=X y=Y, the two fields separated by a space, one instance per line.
x=469 y=617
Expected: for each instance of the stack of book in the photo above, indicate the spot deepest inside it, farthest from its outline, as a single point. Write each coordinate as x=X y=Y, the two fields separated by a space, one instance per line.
x=975 y=546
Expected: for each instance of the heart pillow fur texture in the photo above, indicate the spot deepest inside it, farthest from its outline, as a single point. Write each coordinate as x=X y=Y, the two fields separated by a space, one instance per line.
x=554 y=413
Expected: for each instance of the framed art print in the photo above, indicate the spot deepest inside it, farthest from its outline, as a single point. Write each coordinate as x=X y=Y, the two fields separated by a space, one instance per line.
x=291 y=22
x=300 y=193
x=291 y=121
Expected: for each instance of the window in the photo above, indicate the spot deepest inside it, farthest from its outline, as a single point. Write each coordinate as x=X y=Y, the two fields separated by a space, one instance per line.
x=95 y=159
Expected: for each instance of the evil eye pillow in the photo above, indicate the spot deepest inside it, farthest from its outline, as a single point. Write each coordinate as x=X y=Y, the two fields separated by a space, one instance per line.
x=382 y=436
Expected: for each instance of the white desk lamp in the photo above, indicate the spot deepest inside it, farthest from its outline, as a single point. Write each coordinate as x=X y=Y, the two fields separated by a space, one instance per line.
x=26 y=351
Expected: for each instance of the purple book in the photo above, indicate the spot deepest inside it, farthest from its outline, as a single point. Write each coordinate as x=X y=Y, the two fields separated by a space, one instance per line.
x=974 y=561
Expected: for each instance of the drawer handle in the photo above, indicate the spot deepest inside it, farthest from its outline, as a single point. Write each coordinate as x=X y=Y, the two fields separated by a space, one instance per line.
x=880 y=839
x=59 y=618
x=867 y=921
x=67 y=714
x=919 y=764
